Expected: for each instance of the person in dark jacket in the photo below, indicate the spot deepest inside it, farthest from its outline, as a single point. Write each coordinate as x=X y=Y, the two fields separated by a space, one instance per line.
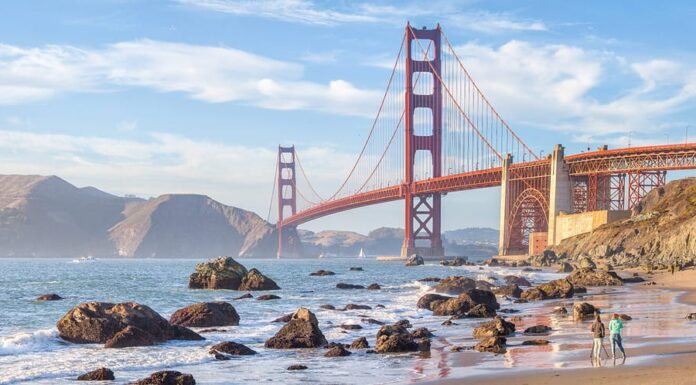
x=598 y=333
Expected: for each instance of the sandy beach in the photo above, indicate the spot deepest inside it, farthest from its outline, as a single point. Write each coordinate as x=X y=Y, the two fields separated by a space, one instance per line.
x=672 y=363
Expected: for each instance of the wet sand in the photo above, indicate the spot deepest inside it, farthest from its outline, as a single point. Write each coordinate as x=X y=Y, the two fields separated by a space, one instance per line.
x=670 y=363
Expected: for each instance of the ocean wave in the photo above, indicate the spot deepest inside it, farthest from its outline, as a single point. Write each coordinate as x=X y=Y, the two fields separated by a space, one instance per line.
x=25 y=342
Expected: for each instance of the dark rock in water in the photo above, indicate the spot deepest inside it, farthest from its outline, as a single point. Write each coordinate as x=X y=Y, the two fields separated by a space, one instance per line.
x=476 y=296
x=336 y=344
x=254 y=280
x=414 y=260
x=245 y=296
x=590 y=277
x=560 y=310
x=533 y=294
x=232 y=348
x=101 y=374
x=267 y=297
x=565 y=268
x=530 y=270
x=167 y=377
x=483 y=285
x=481 y=311
x=421 y=333
x=510 y=290
x=353 y=306
x=342 y=285
x=426 y=300
x=559 y=288
x=452 y=306
x=448 y=323
x=351 y=327
x=579 y=289
x=360 y=343
x=221 y=357
x=213 y=330
x=508 y=311
x=371 y=321
x=218 y=273
x=535 y=342
x=495 y=344
x=206 y=314
x=458 y=261
x=379 y=306
x=283 y=319
x=302 y=331
x=537 y=329
x=691 y=316
x=395 y=339
x=633 y=280
x=430 y=279
x=337 y=351
x=297 y=367
x=584 y=310
x=404 y=323
x=49 y=297
x=455 y=285
x=99 y=322
x=515 y=280
x=374 y=286
x=496 y=327
x=356 y=268
x=327 y=307
x=321 y=273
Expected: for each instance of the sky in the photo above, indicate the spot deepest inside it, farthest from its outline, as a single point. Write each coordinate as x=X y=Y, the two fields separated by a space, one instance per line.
x=194 y=96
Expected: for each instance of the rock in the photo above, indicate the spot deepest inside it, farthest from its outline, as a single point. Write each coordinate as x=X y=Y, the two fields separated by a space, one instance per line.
x=481 y=311
x=448 y=323
x=515 y=280
x=458 y=261
x=245 y=296
x=421 y=333
x=337 y=351
x=360 y=343
x=129 y=337
x=351 y=327
x=219 y=273
x=559 y=288
x=533 y=294
x=546 y=259
x=232 y=348
x=535 y=342
x=586 y=263
x=691 y=316
x=342 y=285
x=452 y=307
x=99 y=322
x=633 y=280
x=455 y=285
x=267 y=297
x=283 y=319
x=327 y=307
x=537 y=329
x=607 y=267
x=509 y=311
x=404 y=323
x=254 y=280
x=297 y=367
x=396 y=338
x=476 y=296
x=101 y=374
x=414 y=260
x=583 y=310
x=579 y=289
x=374 y=286
x=565 y=268
x=589 y=277
x=206 y=314
x=483 y=285
x=560 y=310
x=353 y=306
x=49 y=297
x=212 y=330
x=510 y=290
x=379 y=306
x=167 y=377
x=371 y=321
x=302 y=331
x=356 y=269
x=430 y=279
x=497 y=327
x=426 y=300
x=495 y=344
x=321 y=273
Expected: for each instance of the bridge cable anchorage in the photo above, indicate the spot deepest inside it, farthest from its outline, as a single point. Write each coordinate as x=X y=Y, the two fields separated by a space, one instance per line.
x=485 y=99
x=273 y=192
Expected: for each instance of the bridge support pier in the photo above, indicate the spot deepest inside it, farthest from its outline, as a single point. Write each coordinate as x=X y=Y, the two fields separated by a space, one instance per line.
x=560 y=191
x=504 y=206
x=287 y=186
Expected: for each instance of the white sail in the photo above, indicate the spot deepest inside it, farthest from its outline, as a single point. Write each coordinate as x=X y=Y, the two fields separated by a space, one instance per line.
x=362 y=253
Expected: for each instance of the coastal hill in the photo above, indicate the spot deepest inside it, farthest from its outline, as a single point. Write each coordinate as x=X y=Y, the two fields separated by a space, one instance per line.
x=45 y=216
x=661 y=231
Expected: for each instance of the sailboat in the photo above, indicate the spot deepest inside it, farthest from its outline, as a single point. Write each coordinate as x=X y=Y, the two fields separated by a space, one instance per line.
x=362 y=254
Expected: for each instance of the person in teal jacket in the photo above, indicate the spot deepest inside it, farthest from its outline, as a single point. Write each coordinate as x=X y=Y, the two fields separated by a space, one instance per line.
x=615 y=326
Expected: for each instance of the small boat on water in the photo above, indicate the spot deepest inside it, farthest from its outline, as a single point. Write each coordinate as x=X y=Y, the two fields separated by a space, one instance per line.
x=362 y=254
x=88 y=258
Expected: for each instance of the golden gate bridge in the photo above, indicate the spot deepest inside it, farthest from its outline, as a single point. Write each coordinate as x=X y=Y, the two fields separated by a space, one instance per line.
x=436 y=132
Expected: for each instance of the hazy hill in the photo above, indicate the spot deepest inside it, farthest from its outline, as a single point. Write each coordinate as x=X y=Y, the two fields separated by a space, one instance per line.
x=484 y=235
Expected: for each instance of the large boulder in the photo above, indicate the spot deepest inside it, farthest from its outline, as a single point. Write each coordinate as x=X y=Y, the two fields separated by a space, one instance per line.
x=218 y=273
x=477 y=296
x=396 y=338
x=49 y=297
x=360 y=343
x=533 y=294
x=167 y=377
x=337 y=351
x=586 y=263
x=511 y=290
x=231 y=348
x=101 y=374
x=414 y=260
x=348 y=286
x=497 y=327
x=131 y=323
x=458 y=261
x=590 y=277
x=481 y=311
x=515 y=280
x=451 y=307
x=426 y=300
x=302 y=331
x=559 y=288
x=206 y=314
x=584 y=310
x=254 y=280
x=322 y=273
x=455 y=285
x=565 y=267
x=495 y=344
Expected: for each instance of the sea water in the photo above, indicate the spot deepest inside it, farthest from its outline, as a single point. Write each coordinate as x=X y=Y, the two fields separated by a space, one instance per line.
x=31 y=352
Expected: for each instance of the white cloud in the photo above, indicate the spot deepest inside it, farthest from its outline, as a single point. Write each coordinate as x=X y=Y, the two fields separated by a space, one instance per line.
x=493 y=23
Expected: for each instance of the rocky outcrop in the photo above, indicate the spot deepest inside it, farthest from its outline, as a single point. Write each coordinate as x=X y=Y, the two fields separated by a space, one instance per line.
x=337 y=351
x=348 y=286
x=426 y=300
x=355 y=306
x=254 y=280
x=206 y=314
x=297 y=367
x=481 y=311
x=497 y=327
x=396 y=338
x=586 y=262
x=232 y=349
x=565 y=267
x=559 y=288
x=49 y=297
x=374 y=286
x=584 y=310
x=119 y=325
x=515 y=280
x=591 y=277
x=511 y=290
x=360 y=343
x=495 y=344
x=476 y=297
x=101 y=374
x=167 y=377
x=322 y=273
x=302 y=331
x=414 y=260
x=458 y=261
x=267 y=297
x=455 y=285
x=537 y=329
x=226 y=273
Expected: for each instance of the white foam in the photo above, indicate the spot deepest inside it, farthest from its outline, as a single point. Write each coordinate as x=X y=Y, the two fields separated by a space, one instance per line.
x=25 y=342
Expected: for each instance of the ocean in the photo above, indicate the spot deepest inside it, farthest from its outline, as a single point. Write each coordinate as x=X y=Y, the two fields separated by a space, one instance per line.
x=32 y=353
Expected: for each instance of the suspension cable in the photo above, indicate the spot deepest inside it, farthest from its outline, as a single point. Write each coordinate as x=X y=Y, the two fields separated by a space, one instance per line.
x=273 y=191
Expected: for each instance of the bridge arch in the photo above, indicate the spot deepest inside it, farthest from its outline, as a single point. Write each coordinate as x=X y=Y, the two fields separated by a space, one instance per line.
x=529 y=213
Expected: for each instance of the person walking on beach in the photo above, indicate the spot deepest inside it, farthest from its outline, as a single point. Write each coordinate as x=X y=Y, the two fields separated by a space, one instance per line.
x=615 y=326
x=598 y=334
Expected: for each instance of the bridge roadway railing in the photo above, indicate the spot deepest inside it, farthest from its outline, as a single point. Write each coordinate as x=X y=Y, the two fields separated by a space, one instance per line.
x=634 y=159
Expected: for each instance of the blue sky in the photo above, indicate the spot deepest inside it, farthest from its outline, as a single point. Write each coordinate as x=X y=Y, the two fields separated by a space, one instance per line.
x=150 y=97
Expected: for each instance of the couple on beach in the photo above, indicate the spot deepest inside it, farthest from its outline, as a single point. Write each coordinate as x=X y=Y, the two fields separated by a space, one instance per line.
x=598 y=334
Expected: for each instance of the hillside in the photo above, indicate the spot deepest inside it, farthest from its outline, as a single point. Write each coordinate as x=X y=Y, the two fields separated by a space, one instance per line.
x=662 y=230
